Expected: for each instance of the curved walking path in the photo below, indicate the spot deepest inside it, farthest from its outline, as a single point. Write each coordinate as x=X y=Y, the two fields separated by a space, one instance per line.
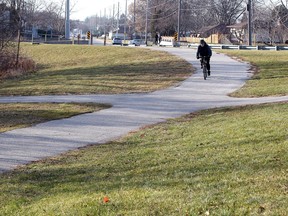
x=129 y=111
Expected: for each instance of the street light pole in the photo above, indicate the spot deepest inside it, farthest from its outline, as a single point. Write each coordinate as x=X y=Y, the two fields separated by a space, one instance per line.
x=67 y=20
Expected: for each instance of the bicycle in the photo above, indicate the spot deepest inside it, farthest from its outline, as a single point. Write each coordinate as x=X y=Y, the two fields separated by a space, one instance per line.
x=204 y=66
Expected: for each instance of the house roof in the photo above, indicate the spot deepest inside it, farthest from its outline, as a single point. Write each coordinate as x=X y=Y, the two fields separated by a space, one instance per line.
x=238 y=25
x=208 y=28
x=256 y=22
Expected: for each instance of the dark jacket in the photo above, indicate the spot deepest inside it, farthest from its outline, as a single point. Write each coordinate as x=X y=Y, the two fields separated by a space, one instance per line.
x=204 y=51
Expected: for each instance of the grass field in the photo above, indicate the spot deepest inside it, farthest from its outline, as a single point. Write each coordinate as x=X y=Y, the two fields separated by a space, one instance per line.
x=228 y=161
x=18 y=115
x=215 y=162
x=66 y=69
x=271 y=77
x=79 y=69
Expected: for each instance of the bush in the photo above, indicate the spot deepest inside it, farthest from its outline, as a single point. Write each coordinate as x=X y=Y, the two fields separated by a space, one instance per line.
x=8 y=67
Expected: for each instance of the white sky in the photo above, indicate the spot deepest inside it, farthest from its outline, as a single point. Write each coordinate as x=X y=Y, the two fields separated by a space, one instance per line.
x=86 y=8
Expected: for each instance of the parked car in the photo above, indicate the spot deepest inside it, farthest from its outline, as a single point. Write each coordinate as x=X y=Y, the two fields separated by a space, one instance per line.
x=135 y=42
x=117 y=41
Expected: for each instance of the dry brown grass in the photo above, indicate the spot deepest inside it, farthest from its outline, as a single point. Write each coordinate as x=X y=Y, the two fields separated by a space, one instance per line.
x=8 y=67
x=66 y=69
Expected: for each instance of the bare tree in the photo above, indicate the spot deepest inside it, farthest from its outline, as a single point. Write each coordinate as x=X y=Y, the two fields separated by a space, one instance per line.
x=199 y=14
x=6 y=32
x=194 y=14
x=11 y=20
x=273 y=13
x=11 y=26
x=226 y=11
x=46 y=15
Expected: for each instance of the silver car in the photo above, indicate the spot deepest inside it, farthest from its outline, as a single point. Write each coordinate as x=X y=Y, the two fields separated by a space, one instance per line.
x=117 y=41
x=136 y=42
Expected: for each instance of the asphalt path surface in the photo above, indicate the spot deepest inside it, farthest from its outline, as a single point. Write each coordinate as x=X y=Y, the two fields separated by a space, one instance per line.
x=129 y=112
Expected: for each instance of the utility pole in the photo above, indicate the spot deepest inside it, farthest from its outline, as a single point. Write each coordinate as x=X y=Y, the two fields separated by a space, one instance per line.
x=100 y=22
x=104 y=26
x=67 y=20
x=134 y=17
x=96 y=24
x=118 y=15
x=125 y=21
x=179 y=20
x=249 y=9
x=113 y=16
x=146 y=25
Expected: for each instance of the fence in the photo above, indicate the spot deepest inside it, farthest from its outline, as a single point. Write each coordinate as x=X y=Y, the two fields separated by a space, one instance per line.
x=241 y=47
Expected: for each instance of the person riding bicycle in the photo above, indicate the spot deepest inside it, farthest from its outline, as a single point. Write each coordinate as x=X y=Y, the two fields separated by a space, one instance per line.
x=204 y=51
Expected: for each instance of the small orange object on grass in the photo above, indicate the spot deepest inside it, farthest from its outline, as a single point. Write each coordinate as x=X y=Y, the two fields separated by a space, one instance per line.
x=106 y=199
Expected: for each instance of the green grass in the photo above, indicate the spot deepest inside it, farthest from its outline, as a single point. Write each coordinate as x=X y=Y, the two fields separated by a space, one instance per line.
x=271 y=77
x=18 y=115
x=79 y=69
x=220 y=161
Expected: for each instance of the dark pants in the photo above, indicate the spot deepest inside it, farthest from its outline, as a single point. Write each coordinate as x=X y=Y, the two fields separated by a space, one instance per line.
x=156 y=41
x=208 y=62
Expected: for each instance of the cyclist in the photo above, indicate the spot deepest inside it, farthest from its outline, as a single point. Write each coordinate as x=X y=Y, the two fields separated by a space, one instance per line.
x=204 y=50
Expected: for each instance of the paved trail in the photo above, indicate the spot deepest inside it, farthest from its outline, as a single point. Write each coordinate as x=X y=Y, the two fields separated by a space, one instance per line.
x=129 y=111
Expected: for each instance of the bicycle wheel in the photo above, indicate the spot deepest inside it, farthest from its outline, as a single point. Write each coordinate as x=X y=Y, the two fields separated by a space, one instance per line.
x=204 y=72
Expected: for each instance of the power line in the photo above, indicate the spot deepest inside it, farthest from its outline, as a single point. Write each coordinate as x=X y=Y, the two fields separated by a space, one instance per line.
x=163 y=18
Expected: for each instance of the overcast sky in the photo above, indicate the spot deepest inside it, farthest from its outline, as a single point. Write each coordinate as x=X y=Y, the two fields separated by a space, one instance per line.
x=86 y=8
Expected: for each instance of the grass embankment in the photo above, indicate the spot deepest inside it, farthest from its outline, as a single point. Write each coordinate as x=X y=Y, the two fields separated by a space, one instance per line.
x=271 y=77
x=18 y=115
x=79 y=69
x=217 y=162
